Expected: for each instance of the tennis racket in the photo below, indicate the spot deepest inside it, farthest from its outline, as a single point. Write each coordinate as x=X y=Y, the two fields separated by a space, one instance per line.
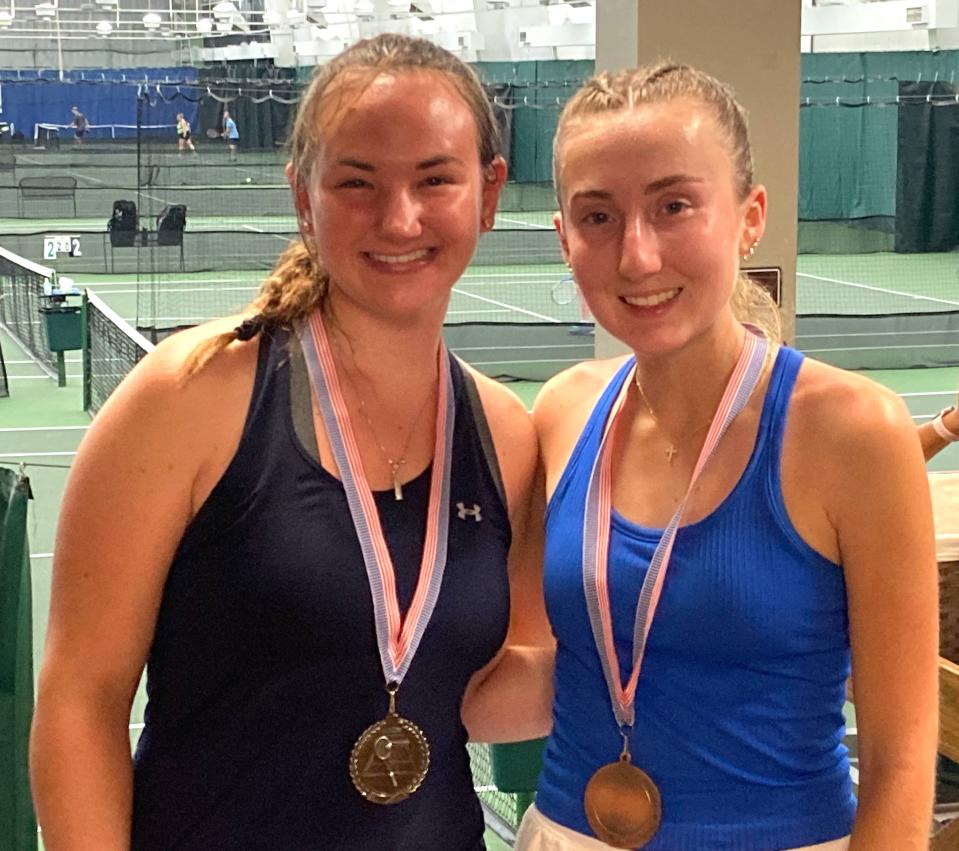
x=212 y=134
x=564 y=291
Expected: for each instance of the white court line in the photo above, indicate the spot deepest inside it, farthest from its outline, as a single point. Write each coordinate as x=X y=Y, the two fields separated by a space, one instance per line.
x=41 y=377
x=277 y=235
x=526 y=225
x=878 y=289
x=509 y=306
x=41 y=555
x=883 y=348
x=35 y=454
x=46 y=428
x=97 y=180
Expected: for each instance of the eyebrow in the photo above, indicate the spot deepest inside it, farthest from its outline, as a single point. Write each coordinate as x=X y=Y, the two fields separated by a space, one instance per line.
x=432 y=162
x=671 y=180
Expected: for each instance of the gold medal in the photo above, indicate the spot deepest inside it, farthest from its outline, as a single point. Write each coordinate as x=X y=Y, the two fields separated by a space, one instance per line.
x=389 y=760
x=622 y=805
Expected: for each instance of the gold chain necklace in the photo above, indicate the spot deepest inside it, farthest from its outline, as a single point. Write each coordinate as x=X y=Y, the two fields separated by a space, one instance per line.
x=671 y=452
x=397 y=464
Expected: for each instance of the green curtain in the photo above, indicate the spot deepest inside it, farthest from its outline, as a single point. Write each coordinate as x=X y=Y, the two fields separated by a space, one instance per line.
x=928 y=179
x=18 y=825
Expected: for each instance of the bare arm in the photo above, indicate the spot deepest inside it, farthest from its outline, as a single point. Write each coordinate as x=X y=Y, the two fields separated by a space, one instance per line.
x=932 y=443
x=884 y=523
x=129 y=497
x=511 y=698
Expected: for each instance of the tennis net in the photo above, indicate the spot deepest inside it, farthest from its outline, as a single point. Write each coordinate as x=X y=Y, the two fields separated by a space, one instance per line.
x=22 y=286
x=112 y=349
x=4 y=384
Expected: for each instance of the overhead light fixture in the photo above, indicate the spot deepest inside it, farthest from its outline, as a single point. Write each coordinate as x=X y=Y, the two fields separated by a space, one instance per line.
x=295 y=16
x=6 y=19
x=497 y=4
x=151 y=21
x=204 y=25
x=104 y=28
x=45 y=10
x=105 y=2
x=364 y=10
x=401 y=5
x=223 y=26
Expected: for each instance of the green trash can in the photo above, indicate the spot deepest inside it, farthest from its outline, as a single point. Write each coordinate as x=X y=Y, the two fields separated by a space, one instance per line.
x=64 y=324
x=516 y=770
x=64 y=327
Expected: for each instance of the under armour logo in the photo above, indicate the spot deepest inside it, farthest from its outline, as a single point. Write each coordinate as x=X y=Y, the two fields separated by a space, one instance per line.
x=463 y=512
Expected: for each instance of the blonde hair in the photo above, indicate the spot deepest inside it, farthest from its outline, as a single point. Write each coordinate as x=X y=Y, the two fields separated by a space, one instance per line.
x=299 y=282
x=664 y=82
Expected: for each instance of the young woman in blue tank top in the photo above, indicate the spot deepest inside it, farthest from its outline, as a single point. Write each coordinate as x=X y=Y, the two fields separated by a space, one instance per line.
x=805 y=547
x=219 y=520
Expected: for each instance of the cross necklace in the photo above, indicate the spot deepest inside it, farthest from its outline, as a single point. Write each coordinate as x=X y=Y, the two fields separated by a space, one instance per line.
x=671 y=451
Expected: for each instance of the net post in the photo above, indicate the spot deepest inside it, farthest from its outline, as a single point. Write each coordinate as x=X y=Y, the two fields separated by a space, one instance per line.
x=85 y=332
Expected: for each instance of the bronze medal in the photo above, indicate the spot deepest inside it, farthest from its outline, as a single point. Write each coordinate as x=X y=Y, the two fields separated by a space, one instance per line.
x=622 y=805
x=389 y=760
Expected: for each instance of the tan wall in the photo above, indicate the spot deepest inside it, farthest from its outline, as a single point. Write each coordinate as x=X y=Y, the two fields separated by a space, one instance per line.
x=754 y=46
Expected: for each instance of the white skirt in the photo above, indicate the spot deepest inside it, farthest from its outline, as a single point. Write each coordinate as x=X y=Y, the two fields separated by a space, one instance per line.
x=539 y=833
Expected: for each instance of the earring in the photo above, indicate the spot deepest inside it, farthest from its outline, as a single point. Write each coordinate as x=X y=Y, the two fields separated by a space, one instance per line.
x=486 y=224
x=305 y=224
x=751 y=251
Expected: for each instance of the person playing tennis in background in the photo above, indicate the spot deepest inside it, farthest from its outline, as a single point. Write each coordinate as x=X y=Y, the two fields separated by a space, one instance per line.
x=231 y=134
x=183 y=135
x=729 y=524
x=309 y=521
x=79 y=124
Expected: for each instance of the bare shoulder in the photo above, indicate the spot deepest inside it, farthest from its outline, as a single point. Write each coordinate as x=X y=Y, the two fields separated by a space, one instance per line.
x=847 y=411
x=574 y=389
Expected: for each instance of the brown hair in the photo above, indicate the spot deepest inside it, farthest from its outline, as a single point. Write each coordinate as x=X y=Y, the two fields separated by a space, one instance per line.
x=663 y=82
x=299 y=282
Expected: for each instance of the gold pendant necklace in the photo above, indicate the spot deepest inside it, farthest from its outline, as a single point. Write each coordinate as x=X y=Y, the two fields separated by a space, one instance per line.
x=671 y=451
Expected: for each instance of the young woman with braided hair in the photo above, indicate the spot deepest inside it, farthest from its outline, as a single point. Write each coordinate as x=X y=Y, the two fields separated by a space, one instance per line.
x=706 y=614
x=308 y=522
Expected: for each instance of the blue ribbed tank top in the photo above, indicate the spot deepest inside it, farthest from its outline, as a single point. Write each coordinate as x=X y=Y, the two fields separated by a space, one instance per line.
x=739 y=705
x=264 y=669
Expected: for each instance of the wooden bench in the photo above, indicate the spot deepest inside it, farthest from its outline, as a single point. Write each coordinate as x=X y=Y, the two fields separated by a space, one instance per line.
x=45 y=188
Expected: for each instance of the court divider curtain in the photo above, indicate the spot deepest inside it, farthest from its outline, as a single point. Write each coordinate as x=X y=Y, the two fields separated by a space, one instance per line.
x=927 y=199
x=18 y=825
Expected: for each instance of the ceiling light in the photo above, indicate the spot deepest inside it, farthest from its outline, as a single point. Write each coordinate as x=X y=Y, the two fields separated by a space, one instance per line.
x=223 y=26
x=364 y=10
x=398 y=4
x=204 y=25
x=104 y=28
x=295 y=16
x=151 y=20
x=45 y=10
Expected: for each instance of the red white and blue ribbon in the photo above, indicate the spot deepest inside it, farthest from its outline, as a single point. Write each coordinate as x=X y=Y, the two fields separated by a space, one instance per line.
x=596 y=529
x=397 y=637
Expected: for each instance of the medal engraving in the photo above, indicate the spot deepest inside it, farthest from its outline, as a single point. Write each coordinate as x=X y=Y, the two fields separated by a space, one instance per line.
x=389 y=760
x=622 y=805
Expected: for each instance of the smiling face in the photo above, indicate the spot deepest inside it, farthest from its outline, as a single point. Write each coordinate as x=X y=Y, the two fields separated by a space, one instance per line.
x=652 y=223
x=396 y=197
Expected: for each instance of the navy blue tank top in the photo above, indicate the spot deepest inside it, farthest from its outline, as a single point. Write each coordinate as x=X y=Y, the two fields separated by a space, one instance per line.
x=264 y=668
x=739 y=704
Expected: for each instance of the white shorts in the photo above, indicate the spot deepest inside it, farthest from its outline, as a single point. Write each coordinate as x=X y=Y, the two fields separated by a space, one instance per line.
x=539 y=833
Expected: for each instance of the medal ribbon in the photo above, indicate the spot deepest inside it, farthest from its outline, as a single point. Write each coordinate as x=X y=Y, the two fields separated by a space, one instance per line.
x=396 y=638
x=597 y=519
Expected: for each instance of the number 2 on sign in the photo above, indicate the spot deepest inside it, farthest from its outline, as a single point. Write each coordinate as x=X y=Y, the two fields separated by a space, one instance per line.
x=54 y=245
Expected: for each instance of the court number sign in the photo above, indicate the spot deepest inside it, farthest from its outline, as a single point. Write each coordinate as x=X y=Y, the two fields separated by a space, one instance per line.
x=59 y=244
